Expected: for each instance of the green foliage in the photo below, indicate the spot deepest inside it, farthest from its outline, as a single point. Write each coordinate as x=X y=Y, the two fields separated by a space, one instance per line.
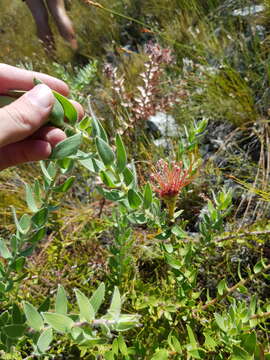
x=188 y=290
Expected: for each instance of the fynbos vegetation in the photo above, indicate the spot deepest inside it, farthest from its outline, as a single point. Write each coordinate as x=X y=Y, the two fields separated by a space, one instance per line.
x=145 y=235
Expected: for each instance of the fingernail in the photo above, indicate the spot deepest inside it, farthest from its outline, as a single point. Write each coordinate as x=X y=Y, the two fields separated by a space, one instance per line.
x=41 y=95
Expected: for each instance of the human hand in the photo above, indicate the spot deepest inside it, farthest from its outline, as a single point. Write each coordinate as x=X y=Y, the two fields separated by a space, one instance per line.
x=23 y=137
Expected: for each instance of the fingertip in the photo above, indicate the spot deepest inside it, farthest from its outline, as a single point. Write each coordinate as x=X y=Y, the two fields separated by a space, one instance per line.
x=54 y=136
x=79 y=108
x=50 y=134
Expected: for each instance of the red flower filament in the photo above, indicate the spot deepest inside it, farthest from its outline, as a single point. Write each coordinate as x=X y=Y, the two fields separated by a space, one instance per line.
x=169 y=179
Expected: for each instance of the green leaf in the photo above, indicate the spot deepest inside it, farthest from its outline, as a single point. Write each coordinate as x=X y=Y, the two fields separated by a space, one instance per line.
x=66 y=165
x=112 y=194
x=38 y=236
x=92 y=164
x=57 y=115
x=45 y=305
x=173 y=261
x=33 y=317
x=85 y=123
x=115 y=307
x=105 y=152
x=178 y=232
x=67 y=147
x=69 y=109
x=18 y=264
x=193 y=343
x=115 y=348
x=220 y=322
x=14 y=243
x=52 y=169
x=2 y=289
x=40 y=218
x=98 y=297
x=249 y=342
x=174 y=343
x=126 y=322
x=107 y=178
x=18 y=223
x=98 y=130
x=121 y=155
x=6 y=100
x=45 y=172
x=147 y=196
x=4 y=251
x=61 y=302
x=222 y=287
x=30 y=198
x=4 y=317
x=134 y=199
x=209 y=342
x=122 y=346
x=65 y=186
x=258 y=267
x=14 y=330
x=58 y=322
x=128 y=176
x=25 y=223
x=44 y=340
x=86 y=310
x=240 y=354
x=17 y=316
x=161 y=354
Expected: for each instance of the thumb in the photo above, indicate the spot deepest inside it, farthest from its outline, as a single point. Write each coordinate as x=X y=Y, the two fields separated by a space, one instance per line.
x=24 y=116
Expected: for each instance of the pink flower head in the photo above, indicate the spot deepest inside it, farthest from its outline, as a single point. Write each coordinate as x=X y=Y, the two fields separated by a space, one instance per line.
x=169 y=179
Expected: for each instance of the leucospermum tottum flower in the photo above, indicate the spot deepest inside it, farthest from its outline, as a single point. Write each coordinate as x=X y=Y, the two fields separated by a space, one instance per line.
x=168 y=179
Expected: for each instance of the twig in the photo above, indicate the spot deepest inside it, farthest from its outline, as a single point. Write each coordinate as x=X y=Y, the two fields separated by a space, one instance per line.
x=99 y=322
x=231 y=290
x=250 y=233
x=111 y=11
x=260 y=316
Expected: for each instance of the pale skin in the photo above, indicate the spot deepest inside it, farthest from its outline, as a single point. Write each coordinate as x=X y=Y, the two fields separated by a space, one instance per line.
x=57 y=9
x=24 y=135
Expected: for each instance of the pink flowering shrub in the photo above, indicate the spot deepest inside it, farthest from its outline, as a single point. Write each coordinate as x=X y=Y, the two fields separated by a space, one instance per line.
x=150 y=97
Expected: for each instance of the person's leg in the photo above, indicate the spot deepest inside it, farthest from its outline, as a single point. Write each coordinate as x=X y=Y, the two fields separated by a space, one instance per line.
x=63 y=22
x=40 y=15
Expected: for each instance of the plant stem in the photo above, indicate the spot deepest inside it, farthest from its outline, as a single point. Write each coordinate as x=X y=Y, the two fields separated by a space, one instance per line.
x=241 y=235
x=231 y=290
x=49 y=192
x=96 y=4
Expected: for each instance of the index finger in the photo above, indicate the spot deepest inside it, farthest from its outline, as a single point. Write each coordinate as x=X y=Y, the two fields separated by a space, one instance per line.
x=12 y=78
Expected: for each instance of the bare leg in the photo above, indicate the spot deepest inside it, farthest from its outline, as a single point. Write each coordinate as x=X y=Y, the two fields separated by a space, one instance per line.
x=40 y=15
x=63 y=22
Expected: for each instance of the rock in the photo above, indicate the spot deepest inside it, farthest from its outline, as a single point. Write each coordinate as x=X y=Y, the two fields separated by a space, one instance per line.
x=165 y=124
x=248 y=10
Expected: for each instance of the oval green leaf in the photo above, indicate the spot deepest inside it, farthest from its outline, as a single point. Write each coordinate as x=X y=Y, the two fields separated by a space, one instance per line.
x=58 y=322
x=61 y=303
x=67 y=147
x=105 y=152
x=14 y=330
x=147 y=196
x=134 y=199
x=121 y=155
x=69 y=110
x=86 y=309
x=44 y=340
x=33 y=317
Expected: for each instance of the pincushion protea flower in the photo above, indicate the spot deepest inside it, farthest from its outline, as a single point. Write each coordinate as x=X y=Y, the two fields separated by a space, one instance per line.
x=168 y=180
